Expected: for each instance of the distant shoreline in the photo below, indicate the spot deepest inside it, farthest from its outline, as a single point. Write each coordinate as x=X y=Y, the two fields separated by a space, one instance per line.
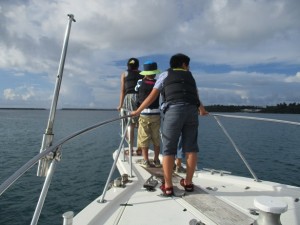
x=89 y=109
x=59 y=109
x=291 y=108
x=23 y=109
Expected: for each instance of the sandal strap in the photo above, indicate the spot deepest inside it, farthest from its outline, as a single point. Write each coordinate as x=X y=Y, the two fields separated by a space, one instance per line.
x=187 y=187
x=168 y=191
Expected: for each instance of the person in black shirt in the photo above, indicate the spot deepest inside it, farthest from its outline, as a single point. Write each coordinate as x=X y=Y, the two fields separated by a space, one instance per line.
x=128 y=96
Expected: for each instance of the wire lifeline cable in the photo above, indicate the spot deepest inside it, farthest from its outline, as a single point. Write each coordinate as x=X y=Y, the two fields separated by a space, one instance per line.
x=15 y=176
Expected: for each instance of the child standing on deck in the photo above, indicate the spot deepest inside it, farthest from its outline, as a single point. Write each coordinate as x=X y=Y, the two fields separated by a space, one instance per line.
x=149 y=120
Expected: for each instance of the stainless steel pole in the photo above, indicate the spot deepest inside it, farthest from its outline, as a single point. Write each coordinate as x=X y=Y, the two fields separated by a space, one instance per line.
x=43 y=194
x=237 y=149
x=114 y=165
x=48 y=135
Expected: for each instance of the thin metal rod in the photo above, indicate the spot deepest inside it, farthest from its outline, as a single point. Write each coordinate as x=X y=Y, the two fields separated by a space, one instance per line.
x=114 y=165
x=43 y=194
x=60 y=74
x=236 y=148
x=128 y=129
x=130 y=147
x=258 y=118
x=123 y=125
x=48 y=136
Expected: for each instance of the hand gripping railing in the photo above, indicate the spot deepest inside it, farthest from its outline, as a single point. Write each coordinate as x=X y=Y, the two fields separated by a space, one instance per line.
x=249 y=118
x=53 y=149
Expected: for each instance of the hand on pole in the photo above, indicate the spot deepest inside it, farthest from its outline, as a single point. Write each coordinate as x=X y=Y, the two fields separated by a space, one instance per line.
x=135 y=113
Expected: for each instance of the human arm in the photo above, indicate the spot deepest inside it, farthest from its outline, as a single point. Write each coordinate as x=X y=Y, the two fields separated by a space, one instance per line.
x=151 y=98
x=122 y=91
x=202 y=110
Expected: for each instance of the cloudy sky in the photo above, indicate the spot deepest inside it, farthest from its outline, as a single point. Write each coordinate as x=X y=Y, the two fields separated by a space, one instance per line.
x=243 y=52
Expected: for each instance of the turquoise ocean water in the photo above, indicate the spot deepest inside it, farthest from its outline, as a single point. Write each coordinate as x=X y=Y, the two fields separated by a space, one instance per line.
x=272 y=150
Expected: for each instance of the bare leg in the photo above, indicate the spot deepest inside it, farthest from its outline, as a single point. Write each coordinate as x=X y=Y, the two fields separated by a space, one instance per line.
x=156 y=152
x=178 y=162
x=130 y=135
x=168 y=163
x=145 y=153
x=191 y=162
x=139 y=151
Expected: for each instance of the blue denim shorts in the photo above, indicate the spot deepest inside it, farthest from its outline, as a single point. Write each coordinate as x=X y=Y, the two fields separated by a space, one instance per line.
x=180 y=120
x=179 y=154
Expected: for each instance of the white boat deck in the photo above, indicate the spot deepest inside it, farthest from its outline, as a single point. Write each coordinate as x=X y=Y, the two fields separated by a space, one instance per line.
x=217 y=200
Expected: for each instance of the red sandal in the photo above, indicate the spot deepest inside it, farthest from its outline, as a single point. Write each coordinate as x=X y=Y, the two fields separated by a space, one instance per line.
x=167 y=191
x=127 y=152
x=139 y=152
x=187 y=187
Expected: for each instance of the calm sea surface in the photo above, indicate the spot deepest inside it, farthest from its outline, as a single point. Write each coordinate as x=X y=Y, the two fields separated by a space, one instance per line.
x=271 y=149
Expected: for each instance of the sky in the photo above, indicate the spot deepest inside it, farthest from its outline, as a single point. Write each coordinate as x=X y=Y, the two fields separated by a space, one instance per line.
x=243 y=52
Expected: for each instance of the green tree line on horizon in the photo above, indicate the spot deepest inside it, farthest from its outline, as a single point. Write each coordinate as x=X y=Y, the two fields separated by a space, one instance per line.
x=292 y=108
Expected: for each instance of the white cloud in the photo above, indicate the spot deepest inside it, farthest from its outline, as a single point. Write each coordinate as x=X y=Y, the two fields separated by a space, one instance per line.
x=11 y=57
x=234 y=33
x=293 y=79
x=244 y=88
x=27 y=95
x=22 y=93
x=9 y=94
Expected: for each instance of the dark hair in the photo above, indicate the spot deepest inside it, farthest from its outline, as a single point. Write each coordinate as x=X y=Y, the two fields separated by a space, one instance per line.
x=177 y=60
x=133 y=64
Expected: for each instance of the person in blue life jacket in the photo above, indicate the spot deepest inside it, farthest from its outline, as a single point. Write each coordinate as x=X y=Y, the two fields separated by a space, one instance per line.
x=182 y=106
x=149 y=119
x=128 y=96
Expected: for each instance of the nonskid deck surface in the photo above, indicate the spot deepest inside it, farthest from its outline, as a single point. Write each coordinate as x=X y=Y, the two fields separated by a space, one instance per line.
x=217 y=200
x=215 y=209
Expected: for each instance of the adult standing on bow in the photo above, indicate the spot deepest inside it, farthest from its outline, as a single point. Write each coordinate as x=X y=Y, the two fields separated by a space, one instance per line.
x=128 y=98
x=181 y=108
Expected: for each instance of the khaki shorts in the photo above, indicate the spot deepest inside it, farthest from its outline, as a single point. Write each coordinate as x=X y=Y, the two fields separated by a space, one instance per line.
x=149 y=130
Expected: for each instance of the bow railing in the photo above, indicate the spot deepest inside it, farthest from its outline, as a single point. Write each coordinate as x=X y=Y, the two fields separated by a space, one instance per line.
x=55 y=150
